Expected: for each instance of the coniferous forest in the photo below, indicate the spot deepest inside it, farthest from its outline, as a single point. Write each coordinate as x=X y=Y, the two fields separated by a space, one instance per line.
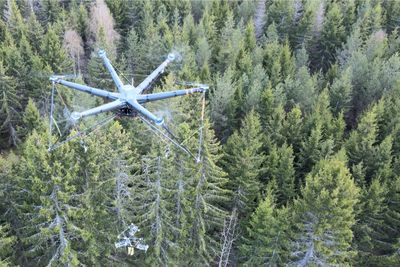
x=299 y=146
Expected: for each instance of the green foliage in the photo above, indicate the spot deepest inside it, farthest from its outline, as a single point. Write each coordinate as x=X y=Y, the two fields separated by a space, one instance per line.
x=271 y=185
x=52 y=52
x=5 y=245
x=243 y=160
x=324 y=215
x=331 y=38
x=265 y=242
x=280 y=170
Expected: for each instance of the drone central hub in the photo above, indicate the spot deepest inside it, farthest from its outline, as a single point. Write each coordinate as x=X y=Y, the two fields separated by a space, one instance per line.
x=129 y=91
x=127 y=111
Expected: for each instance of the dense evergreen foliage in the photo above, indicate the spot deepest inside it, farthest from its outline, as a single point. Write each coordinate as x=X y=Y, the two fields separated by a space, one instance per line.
x=300 y=159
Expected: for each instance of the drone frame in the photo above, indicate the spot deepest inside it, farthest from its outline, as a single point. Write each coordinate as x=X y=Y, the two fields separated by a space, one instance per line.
x=129 y=98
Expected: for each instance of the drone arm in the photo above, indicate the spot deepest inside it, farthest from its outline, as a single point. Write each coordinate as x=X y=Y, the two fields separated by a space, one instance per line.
x=164 y=95
x=87 y=89
x=100 y=109
x=111 y=69
x=146 y=82
x=145 y=112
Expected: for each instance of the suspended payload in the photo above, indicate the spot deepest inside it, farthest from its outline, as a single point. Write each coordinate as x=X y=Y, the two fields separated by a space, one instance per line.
x=128 y=239
x=128 y=101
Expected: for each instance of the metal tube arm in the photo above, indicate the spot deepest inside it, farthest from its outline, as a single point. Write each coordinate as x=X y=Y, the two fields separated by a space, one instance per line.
x=86 y=89
x=146 y=82
x=145 y=112
x=111 y=69
x=163 y=95
x=75 y=116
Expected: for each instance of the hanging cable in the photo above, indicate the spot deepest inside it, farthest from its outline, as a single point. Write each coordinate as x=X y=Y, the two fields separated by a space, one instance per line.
x=84 y=133
x=157 y=130
x=203 y=106
x=51 y=112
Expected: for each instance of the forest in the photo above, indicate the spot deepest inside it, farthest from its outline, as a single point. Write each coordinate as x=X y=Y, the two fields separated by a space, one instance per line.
x=299 y=146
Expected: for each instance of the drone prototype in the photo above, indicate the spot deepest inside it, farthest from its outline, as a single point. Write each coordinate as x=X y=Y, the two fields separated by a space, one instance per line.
x=129 y=100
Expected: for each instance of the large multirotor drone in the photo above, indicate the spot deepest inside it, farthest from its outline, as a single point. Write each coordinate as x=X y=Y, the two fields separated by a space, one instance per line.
x=129 y=100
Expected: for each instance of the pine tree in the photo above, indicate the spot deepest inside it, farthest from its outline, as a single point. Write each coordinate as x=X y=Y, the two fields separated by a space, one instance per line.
x=325 y=215
x=108 y=197
x=119 y=11
x=303 y=21
x=391 y=222
x=82 y=22
x=7 y=216
x=314 y=149
x=370 y=19
x=287 y=62
x=292 y=128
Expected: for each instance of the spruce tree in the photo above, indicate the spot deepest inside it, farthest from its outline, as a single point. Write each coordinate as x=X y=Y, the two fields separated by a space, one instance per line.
x=392 y=222
x=50 y=209
x=15 y=21
x=209 y=197
x=9 y=106
x=280 y=169
x=222 y=103
x=6 y=242
x=325 y=215
x=361 y=146
x=31 y=120
x=331 y=39
x=242 y=161
x=369 y=231
x=52 y=52
x=340 y=92
x=266 y=238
